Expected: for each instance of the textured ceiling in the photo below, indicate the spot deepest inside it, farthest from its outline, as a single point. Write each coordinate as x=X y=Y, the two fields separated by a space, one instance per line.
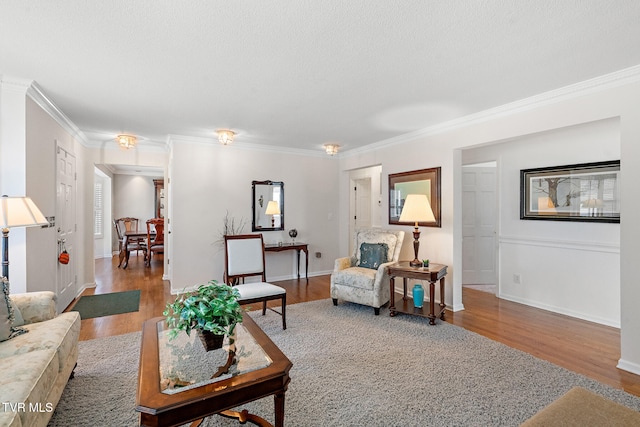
x=306 y=72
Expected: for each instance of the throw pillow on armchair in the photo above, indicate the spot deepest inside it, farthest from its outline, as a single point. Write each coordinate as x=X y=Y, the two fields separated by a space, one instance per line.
x=373 y=254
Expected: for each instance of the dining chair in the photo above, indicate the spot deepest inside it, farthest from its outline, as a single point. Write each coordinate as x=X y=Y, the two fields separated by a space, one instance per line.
x=155 y=238
x=123 y=225
x=244 y=257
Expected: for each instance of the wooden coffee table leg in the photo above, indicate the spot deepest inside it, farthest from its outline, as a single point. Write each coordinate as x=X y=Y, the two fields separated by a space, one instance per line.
x=279 y=409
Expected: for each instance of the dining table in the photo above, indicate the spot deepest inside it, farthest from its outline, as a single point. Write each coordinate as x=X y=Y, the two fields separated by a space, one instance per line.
x=130 y=236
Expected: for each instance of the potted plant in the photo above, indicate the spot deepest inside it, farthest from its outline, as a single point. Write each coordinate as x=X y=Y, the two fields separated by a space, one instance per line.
x=212 y=310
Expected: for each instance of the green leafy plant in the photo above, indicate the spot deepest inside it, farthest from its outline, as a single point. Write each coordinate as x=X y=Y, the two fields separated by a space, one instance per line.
x=212 y=307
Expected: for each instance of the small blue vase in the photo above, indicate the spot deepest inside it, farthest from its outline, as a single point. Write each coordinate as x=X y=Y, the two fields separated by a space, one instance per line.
x=418 y=296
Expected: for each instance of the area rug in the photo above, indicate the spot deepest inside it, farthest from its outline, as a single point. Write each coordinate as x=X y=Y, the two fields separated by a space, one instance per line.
x=90 y=306
x=351 y=368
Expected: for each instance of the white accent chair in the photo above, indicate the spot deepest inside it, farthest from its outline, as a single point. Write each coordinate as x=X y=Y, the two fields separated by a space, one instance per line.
x=367 y=286
x=244 y=257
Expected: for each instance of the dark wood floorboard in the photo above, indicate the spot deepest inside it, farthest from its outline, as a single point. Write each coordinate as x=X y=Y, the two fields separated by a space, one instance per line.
x=580 y=346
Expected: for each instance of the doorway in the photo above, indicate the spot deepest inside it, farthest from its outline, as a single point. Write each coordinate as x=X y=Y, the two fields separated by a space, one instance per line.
x=133 y=192
x=365 y=199
x=479 y=222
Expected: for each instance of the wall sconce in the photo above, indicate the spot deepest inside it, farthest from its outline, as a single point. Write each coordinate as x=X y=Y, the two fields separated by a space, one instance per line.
x=331 y=149
x=126 y=141
x=225 y=136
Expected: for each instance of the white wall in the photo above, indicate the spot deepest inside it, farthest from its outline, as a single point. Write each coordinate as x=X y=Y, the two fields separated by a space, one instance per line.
x=208 y=179
x=556 y=259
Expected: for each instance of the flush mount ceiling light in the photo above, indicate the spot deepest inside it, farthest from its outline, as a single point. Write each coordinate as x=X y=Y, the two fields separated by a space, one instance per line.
x=225 y=136
x=126 y=141
x=331 y=149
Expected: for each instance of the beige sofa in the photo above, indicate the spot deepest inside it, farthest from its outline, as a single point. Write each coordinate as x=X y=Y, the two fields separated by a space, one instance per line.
x=35 y=366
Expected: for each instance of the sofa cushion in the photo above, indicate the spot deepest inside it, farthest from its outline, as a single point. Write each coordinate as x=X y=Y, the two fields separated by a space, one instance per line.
x=60 y=334
x=32 y=377
x=356 y=277
x=7 y=329
x=373 y=254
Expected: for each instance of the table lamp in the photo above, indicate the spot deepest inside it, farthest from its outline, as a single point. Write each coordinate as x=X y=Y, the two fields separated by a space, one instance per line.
x=16 y=212
x=273 y=208
x=416 y=209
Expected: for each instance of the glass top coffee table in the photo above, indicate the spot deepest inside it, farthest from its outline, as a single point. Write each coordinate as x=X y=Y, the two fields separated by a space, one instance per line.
x=179 y=382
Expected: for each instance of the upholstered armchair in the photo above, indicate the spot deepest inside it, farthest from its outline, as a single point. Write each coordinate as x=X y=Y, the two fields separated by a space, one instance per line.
x=363 y=277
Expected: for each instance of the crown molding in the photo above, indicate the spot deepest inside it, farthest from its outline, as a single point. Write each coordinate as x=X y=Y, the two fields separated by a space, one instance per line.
x=37 y=95
x=608 y=81
x=246 y=146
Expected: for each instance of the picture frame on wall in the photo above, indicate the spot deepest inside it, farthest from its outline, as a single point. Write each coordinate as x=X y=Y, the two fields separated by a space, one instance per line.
x=423 y=181
x=588 y=192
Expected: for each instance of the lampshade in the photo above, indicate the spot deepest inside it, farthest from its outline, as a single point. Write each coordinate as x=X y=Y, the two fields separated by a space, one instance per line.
x=331 y=149
x=16 y=212
x=127 y=141
x=417 y=209
x=225 y=136
x=273 y=208
x=20 y=212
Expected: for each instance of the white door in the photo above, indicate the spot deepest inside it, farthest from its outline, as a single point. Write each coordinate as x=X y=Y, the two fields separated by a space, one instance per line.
x=479 y=225
x=66 y=288
x=363 y=203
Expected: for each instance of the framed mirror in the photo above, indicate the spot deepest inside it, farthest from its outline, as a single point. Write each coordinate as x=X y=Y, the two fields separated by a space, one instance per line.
x=267 y=205
x=425 y=181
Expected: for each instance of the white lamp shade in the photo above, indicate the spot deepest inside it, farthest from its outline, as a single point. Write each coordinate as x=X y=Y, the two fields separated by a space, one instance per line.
x=273 y=208
x=417 y=209
x=20 y=212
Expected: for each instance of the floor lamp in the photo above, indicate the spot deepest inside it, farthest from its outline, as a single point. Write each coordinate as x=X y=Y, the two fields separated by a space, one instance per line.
x=16 y=212
x=416 y=209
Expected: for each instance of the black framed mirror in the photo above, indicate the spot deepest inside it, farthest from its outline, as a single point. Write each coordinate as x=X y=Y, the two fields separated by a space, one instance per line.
x=267 y=205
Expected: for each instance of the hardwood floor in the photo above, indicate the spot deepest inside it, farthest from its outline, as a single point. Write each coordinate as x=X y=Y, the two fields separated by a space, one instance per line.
x=580 y=346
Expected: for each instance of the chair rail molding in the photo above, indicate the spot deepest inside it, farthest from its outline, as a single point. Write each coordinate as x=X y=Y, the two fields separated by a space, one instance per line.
x=591 y=246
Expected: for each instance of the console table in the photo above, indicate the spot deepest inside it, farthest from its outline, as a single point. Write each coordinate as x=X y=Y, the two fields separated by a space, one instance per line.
x=431 y=274
x=298 y=247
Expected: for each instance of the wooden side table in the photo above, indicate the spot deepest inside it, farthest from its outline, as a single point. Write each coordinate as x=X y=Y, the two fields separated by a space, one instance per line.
x=431 y=274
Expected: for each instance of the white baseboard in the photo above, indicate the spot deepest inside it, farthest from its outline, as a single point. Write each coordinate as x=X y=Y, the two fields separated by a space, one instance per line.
x=561 y=310
x=634 y=368
x=295 y=276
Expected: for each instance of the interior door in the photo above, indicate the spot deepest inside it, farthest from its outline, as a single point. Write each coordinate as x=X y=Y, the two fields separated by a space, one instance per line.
x=478 y=226
x=363 y=203
x=66 y=287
